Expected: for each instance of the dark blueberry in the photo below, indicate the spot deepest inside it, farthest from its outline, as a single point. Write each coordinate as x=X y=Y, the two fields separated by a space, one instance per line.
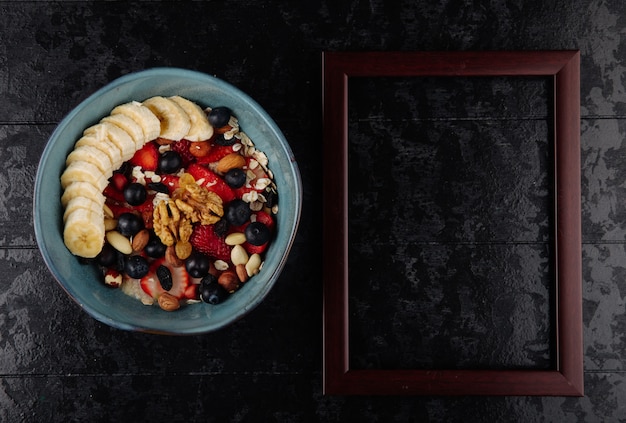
x=235 y=178
x=219 y=116
x=170 y=162
x=271 y=197
x=237 y=212
x=155 y=248
x=165 y=277
x=135 y=194
x=221 y=140
x=108 y=256
x=221 y=227
x=197 y=265
x=212 y=292
x=128 y=224
x=257 y=233
x=158 y=187
x=136 y=267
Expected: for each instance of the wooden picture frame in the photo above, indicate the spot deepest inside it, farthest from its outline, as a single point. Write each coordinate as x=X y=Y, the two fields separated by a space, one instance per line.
x=566 y=379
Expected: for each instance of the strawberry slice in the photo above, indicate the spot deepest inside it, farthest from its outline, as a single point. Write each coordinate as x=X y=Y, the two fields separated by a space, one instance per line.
x=216 y=153
x=110 y=191
x=266 y=219
x=119 y=207
x=211 y=181
x=255 y=249
x=180 y=280
x=119 y=181
x=147 y=157
x=171 y=182
x=182 y=148
x=204 y=239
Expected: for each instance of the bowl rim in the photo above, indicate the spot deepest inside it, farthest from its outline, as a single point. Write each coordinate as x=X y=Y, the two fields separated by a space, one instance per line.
x=185 y=74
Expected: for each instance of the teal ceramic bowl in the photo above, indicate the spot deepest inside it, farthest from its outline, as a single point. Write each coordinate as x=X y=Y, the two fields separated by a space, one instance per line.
x=83 y=282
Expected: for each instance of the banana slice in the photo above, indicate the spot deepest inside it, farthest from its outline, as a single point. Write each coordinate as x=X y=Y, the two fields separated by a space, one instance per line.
x=175 y=123
x=81 y=189
x=200 y=129
x=83 y=202
x=142 y=116
x=83 y=233
x=130 y=126
x=102 y=143
x=84 y=172
x=93 y=155
x=116 y=135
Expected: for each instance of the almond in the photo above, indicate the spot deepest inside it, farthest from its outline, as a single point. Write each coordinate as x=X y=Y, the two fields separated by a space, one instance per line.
x=168 y=302
x=140 y=240
x=242 y=273
x=171 y=258
x=230 y=161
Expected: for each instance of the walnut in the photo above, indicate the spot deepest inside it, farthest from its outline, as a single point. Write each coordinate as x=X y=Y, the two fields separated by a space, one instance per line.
x=173 y=227
x=199 y=204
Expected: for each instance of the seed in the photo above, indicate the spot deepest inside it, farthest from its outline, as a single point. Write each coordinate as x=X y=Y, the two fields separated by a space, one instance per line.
x=238 y=255
x=119 y=242
x=235 y=238
x=253 y=265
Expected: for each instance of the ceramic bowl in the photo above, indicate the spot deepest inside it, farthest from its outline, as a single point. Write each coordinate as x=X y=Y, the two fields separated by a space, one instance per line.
x=83 y=283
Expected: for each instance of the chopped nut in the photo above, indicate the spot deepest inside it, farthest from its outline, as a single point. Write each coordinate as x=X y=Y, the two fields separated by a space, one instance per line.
x=140 y=240
x=242 y=273
x=183 y=249
x=168 y=302
x=229 y=281
x=230 y=161
x=171 y=258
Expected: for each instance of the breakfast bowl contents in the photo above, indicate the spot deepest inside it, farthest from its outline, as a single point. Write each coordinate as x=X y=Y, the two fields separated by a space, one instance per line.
x=177 y=202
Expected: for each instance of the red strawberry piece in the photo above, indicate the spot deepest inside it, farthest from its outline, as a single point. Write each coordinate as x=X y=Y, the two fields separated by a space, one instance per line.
x=182 y=148
x=212 y=181
x=110 y=191
x=151 y=284
x=118 y=208
x=216 y=153
x=192 y=292
x=171 y=182
x=147 y=157
x=146 y=209
x=255 y=249
x=204 y=239
x=119 y=181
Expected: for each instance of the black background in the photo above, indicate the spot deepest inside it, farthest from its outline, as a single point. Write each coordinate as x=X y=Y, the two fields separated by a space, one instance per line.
x=58 y=364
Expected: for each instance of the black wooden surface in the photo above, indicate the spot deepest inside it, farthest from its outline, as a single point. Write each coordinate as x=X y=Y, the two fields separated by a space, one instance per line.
x=58 y=364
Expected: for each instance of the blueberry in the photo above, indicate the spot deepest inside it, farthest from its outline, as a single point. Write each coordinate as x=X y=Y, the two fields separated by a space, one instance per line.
x=108 y=256
x=136 y=267
x=165 y=277
x=128 y=224
x=221 y=140
x=237 y=212
x=219 y=116
x=257 y=233
x=235 y=178
x=221 y=227
x=155 y=248
x=197 y=265
x=212 y=292
x=135 y=194
x=170 y=162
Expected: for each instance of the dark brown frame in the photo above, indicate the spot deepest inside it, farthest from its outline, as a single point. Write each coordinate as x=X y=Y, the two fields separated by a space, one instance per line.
x=564 y=380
